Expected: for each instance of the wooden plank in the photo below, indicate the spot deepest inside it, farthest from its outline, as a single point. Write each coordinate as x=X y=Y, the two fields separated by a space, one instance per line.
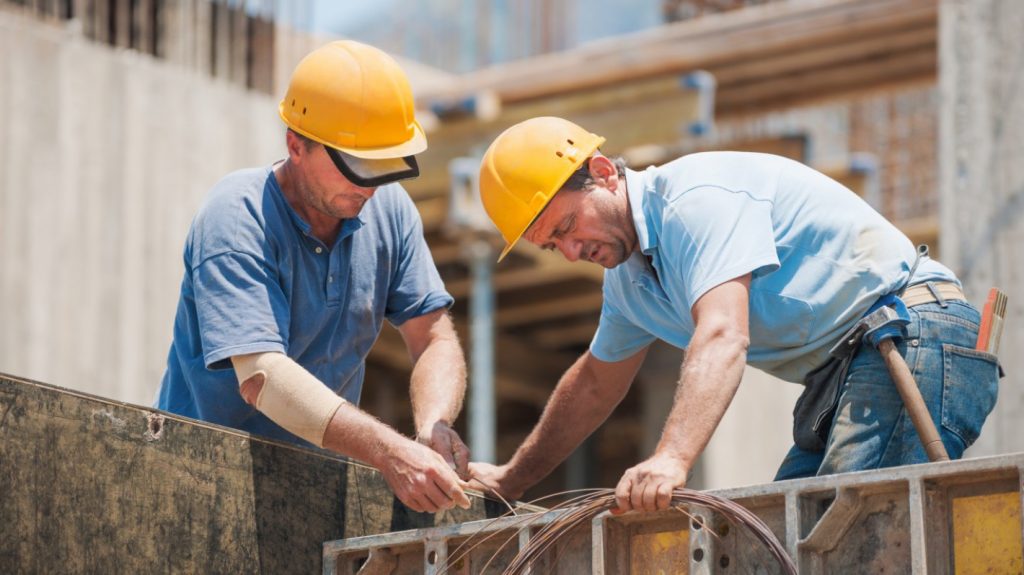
x=766 y=66
x=817 y=83
x=742 y=35
x=562 y=336
x=96 y=486
x=549 y=309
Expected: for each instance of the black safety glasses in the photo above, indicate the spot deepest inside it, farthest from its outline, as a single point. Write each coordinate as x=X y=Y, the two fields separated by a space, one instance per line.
x=367 y=173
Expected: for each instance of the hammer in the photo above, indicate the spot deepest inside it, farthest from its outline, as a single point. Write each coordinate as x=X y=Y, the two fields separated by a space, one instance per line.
x=881 y=327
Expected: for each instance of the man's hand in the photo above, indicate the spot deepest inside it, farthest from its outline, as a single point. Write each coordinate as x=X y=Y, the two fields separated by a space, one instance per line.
x=648 y=486
x=422 y=479
x=493 y=479
x=440 y=437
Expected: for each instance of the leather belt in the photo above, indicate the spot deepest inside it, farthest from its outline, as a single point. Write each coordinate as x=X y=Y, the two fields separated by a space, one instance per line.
x=932 y=292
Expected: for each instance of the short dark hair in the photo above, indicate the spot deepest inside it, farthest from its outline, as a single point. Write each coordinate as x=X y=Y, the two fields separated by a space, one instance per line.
x=305 y=141
x=581 y=180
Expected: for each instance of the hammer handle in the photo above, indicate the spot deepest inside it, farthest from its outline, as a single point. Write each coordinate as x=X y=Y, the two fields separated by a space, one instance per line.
x=913 y=401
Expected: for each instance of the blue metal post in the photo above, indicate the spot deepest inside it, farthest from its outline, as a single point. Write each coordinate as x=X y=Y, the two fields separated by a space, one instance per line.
x=481 y=393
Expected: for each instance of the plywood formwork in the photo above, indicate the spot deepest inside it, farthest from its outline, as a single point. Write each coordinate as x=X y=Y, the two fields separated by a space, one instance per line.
x=953 y=517
x=95 y=486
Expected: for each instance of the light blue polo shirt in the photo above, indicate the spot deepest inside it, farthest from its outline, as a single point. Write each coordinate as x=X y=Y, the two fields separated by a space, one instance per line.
x=257 y=280
x=818 y=254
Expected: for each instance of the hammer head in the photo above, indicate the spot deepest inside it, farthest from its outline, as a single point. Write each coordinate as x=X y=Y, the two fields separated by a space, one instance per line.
x=888 y=320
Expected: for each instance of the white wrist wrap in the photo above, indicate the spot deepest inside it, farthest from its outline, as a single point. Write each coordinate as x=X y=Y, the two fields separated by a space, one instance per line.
x=291 y=396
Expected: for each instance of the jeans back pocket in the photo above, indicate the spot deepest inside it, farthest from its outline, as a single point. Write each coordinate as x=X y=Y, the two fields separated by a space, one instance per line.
x=970 y=385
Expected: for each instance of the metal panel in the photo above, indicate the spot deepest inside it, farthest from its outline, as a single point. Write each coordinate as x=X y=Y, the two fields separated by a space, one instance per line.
x=986 y=534
x=898 y=520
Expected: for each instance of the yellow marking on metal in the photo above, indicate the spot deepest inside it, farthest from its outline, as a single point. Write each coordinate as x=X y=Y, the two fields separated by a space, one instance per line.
x=661 y=553
x=987 y=534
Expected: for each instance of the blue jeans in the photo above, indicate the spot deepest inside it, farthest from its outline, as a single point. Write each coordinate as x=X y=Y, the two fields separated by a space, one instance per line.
x=871 y=428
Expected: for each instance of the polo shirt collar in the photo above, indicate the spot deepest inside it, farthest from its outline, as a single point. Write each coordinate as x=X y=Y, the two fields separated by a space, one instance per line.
x=636 y=184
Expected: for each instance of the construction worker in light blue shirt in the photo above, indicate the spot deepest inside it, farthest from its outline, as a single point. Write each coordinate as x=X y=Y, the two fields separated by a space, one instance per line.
x=290 y=271
x=736 y=258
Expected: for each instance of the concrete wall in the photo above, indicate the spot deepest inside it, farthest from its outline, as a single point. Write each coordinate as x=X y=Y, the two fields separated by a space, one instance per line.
x=95 y=486
x=104 y=157
x=982 y=179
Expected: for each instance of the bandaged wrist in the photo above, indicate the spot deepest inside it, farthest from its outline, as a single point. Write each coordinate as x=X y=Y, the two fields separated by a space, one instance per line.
x=291 y=396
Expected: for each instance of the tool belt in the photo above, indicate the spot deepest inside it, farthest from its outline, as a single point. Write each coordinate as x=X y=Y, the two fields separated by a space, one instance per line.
x=816 y=407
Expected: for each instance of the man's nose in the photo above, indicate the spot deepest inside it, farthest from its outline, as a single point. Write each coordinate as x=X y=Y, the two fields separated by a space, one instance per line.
x=570 y=249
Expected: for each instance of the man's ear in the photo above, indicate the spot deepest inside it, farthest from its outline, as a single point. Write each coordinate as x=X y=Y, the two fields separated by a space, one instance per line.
x=296 y=146
x=603 y=171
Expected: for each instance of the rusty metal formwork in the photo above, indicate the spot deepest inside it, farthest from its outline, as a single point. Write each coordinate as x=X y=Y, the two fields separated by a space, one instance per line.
x=955 y=517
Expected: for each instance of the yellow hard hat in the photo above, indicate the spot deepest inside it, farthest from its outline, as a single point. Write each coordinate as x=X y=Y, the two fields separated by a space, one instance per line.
x=525 y=166
x=356 y=99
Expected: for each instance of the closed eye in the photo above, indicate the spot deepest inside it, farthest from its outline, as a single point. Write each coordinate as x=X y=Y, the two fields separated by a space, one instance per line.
x=567 y=227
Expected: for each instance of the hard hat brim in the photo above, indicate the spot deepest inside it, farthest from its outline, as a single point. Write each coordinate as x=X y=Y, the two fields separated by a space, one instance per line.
x=513 y=243
x=415 y=145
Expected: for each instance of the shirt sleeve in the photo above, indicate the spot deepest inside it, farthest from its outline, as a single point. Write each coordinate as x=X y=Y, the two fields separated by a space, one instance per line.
x=416 y=286
x=712 y=235
x=617 y=337
x=240 y=308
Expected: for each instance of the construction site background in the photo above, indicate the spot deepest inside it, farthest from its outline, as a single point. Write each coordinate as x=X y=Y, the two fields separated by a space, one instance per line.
x=121 y=115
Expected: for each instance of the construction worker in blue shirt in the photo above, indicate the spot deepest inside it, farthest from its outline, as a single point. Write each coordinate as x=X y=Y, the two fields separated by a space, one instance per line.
x=291 y=269
x=737 y=258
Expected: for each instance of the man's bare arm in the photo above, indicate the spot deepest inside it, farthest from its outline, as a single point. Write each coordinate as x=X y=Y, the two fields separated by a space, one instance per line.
x=710 y=376
x=438 y=384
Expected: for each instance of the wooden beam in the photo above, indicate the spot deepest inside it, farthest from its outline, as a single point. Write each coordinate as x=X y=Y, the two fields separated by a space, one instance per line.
x=548 y=268
x=563 y=336
x=517 y=279
x=549 y=309
x=818 y=83
x=739 y=36
x=823 y=57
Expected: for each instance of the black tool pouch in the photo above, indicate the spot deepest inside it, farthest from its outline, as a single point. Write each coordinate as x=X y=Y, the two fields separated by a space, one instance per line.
x=816 y=407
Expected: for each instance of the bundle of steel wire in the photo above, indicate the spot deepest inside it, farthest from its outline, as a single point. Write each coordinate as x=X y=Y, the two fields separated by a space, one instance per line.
x=584 y=508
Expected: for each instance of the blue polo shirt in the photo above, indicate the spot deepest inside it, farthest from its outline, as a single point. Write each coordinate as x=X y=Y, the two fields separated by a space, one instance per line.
x=257 y=280
x=819 y=257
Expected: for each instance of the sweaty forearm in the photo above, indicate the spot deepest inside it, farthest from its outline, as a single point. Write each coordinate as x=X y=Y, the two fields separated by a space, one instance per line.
x=438 y=383
x=710 y=376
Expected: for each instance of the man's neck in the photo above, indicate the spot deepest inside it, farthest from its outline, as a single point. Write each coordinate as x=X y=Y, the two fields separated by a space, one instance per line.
x=322 y=226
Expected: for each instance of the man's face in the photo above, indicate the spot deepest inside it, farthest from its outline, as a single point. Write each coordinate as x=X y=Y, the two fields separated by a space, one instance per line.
x=593 y=225
x=327 y=191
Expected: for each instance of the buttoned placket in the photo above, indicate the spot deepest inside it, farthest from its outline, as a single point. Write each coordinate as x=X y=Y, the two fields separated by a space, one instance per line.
x=648 y=279
x=333 y=284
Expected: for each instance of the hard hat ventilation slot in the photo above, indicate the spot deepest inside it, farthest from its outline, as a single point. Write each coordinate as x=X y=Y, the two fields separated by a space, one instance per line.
x=571 y=143
x=293 y=102
x=559 y=154
x=303 y=110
